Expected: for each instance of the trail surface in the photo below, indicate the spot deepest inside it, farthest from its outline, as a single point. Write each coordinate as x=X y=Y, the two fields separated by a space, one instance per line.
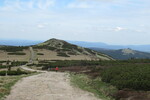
x=48 y=86
x=32 y=55
x=29 y=69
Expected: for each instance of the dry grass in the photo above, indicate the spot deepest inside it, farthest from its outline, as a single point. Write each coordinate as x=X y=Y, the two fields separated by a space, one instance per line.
x=4 y=56
x=47 y=55
x=52 y=55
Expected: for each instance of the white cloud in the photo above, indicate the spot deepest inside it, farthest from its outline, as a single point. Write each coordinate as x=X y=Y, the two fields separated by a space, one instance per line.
x=79 y=5
x=140 y=31
x=10 y=5
x=26 y=5
x=45 y=4
x=119 y=29
x=42 y=25
x=22 y=30
x=109 y=29
x=97 y=0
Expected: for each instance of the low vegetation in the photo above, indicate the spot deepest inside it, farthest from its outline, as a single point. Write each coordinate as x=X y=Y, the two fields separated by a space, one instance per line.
x=8 y=64
x=2 y=66
x=40 y=54
x=14 y=72
x=103 y=64
x=128 y=76
x=44 y=47
x=69 y=46
x=13 y=48
x=62 y=54
x=16 y=53
x=72 y=53
x=96 y=86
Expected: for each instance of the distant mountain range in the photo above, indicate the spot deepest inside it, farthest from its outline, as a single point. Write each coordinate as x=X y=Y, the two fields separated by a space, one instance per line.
x=124 y=54
x=18 y=42
x=145 y=48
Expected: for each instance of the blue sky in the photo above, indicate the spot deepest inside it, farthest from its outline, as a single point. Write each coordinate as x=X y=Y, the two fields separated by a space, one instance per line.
x=109 y=21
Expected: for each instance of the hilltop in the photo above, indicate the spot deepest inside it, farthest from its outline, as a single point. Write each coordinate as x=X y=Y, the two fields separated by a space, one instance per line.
x=124 y=53
x=65 y=50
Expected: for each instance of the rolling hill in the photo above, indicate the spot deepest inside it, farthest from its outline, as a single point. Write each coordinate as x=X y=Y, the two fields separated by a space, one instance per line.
x=52 y=49
x=65 y=50
x=123 y=54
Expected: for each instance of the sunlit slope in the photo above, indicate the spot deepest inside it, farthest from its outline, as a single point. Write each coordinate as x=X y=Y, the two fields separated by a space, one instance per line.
x=55 y=49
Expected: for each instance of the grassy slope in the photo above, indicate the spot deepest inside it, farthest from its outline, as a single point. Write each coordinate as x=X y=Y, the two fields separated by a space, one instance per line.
x=96 y=86
x=61 y=46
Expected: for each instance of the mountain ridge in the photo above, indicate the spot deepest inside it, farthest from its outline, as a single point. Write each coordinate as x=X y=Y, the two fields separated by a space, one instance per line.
x=145 y=48
x=123 y=54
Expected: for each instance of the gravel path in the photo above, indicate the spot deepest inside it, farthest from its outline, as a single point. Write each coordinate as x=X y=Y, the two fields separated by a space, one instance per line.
x=48 y=86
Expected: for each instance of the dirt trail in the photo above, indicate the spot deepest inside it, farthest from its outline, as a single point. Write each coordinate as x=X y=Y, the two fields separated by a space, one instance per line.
x=29 y=69
x=48 y=86
x=32 y=55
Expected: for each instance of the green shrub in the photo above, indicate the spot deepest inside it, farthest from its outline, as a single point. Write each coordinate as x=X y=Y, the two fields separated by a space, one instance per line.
x=90 y=51
x=13 y=48
x=18 y=72
x=65 y=49
x=44 y=47
x=72 y=53
x=134 y=77
x=62 y=54
x=16 y=53
x=2 y=66
x=105 y=64
x=40 y=54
